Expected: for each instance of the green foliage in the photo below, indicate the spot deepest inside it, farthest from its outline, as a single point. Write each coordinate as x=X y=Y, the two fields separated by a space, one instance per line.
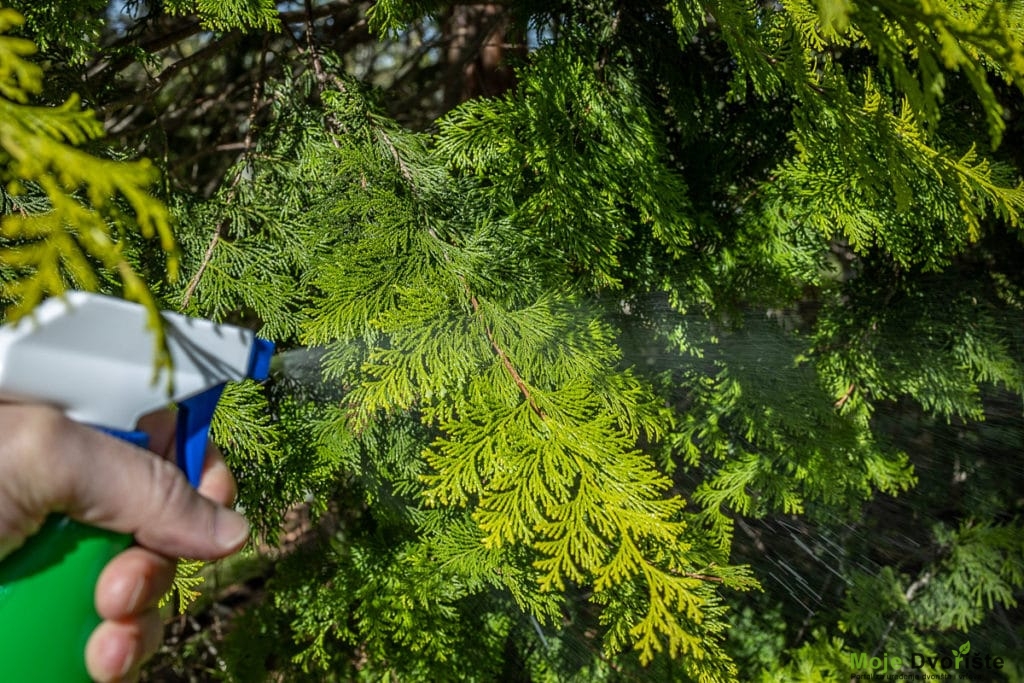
x=389 y=15
x=818 y=661
x=719 y=292
x=535 y=426
x=89 y=203
x=573 y=186
x=187 y=584
x=978 y=570
x=224 y=15
x=981 y=566
x=963 y=345
x=476 y=293
x=70 y=28
x=895 y=203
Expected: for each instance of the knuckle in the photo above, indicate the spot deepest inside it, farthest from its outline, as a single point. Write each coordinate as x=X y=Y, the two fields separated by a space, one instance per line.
x=170 y=490
x=34 y=431
x=172 y=519
x=39 y=445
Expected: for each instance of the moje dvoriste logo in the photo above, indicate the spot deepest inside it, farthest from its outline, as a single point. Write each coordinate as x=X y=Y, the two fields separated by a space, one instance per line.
x=961 y=659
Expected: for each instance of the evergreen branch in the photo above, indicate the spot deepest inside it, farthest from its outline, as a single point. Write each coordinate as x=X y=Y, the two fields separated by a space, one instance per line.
x=81 y=228
x=225 y=15
x=218 y=231
x=402 y=167
x=506 y=362
x=846 y=396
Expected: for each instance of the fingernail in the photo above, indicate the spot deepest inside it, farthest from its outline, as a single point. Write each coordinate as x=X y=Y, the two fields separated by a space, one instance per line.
x=117 y=657
x=128 y=592
x=126 y=669
x=231 y=531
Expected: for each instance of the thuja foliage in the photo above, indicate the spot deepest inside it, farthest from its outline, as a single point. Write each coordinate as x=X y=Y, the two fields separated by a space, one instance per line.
x=717 y=292
x=66 y=212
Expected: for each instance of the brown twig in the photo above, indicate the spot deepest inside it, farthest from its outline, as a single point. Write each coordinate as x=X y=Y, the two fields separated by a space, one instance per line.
x=311 y=47
x=692 y=575
x=846 y=396
x=506 y=362
x=164 y=39
x=144 y=96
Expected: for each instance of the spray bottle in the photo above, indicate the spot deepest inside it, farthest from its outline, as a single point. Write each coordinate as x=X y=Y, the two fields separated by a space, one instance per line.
x=91 y=356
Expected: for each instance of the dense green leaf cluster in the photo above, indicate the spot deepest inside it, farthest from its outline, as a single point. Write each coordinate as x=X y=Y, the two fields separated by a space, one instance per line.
x=66 y=212
x=225 y=15
x=719 y=292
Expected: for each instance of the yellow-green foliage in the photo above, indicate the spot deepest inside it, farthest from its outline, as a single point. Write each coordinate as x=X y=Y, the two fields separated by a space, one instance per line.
x=549 y=375
x=85 y=220
x=711 y=268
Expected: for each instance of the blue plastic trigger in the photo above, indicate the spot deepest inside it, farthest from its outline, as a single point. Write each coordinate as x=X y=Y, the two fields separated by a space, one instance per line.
x=193 y=432
x=135 y=437
x=196 y=413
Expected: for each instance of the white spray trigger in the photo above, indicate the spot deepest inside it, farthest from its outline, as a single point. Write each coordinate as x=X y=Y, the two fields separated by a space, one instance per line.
x=92 y=357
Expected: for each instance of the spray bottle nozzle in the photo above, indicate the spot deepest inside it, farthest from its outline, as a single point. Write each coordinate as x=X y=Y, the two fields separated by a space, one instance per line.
x=259 y=361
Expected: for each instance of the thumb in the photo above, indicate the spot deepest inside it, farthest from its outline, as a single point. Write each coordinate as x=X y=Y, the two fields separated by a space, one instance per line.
x=105 y=482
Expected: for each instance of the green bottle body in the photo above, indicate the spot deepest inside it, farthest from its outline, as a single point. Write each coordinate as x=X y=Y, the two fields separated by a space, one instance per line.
x=47 y=601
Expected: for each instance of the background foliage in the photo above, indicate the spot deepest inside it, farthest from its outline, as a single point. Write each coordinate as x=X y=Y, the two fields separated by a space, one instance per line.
x=633 y=340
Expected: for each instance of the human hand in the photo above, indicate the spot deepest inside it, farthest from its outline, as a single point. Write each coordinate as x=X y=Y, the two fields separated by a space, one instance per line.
x=49 y=464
